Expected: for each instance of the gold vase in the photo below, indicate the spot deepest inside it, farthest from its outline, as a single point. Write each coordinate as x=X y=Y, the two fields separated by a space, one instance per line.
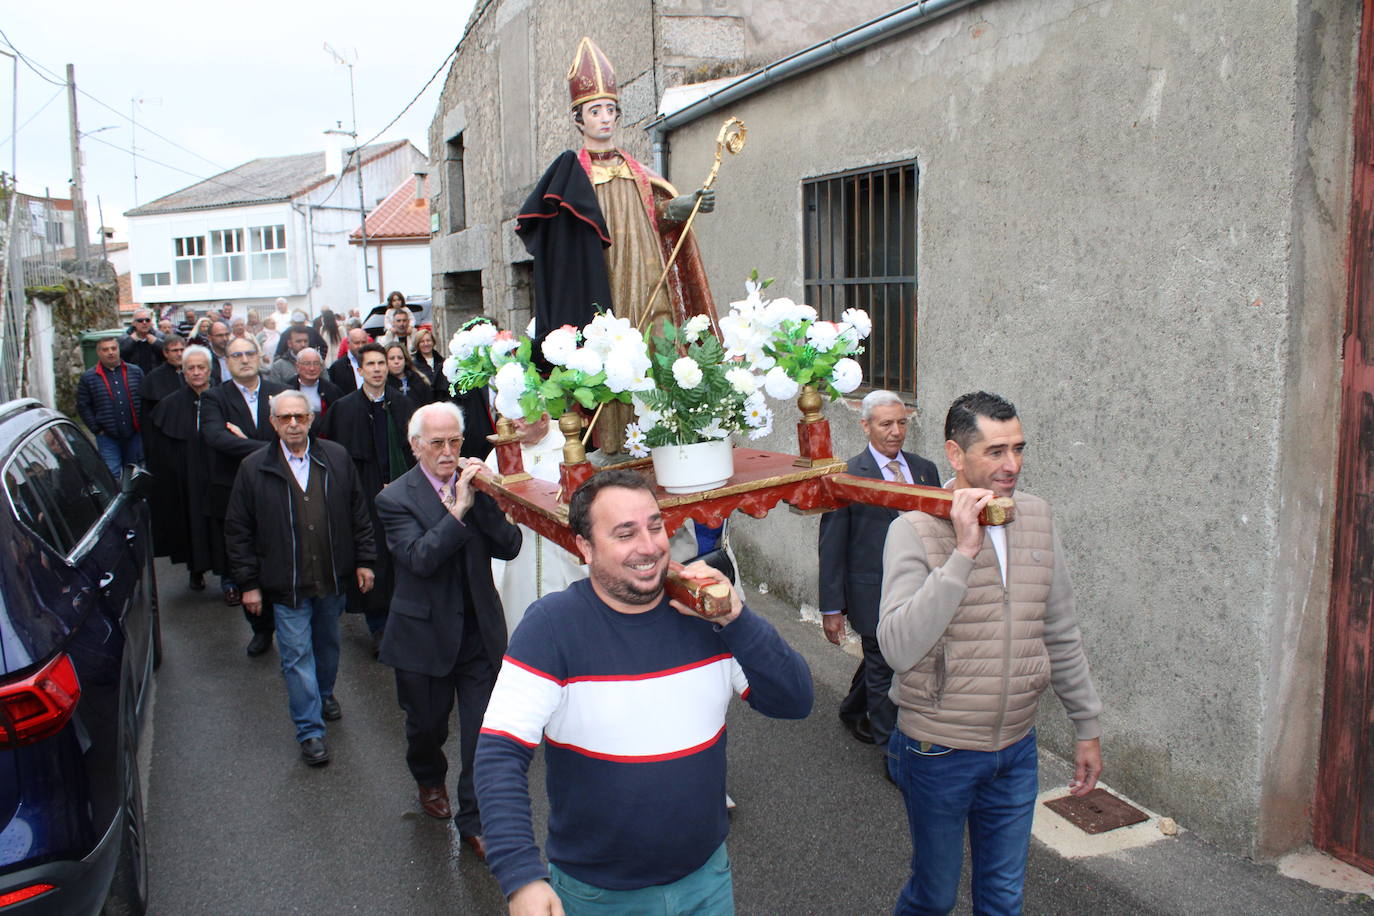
x=809 y=403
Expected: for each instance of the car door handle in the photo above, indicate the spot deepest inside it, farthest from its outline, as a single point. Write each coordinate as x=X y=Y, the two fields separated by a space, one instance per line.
x=106 y=580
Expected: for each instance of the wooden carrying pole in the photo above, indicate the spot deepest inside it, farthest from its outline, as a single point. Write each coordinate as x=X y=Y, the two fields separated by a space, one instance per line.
x=731 y=137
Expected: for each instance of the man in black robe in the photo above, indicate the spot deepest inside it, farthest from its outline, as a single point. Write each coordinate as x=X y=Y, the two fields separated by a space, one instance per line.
x=197 y=538
x=371 y=423
x=164 y=501
x=236 y=421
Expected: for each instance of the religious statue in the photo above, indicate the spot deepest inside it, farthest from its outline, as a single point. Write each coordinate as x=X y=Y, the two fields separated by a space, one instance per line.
x=601 y=227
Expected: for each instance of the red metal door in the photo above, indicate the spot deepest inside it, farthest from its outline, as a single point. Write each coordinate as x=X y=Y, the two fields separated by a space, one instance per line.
x=1344 y=815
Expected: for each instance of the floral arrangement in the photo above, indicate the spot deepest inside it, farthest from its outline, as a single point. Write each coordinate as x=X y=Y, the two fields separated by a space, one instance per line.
x=787 y=341
x=698 y=394
x=686 y=384
x=611 y=362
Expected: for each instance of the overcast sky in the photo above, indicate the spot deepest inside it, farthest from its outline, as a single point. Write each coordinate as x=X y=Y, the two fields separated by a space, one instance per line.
x=229 y=83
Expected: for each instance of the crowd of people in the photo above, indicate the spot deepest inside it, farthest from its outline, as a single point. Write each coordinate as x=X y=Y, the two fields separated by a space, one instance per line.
x=317 y=471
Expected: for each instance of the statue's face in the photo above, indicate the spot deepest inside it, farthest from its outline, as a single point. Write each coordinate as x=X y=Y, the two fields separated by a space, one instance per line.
x=599 y=118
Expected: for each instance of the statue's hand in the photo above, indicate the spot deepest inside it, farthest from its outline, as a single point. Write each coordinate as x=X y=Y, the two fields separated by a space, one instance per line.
x=679 y=208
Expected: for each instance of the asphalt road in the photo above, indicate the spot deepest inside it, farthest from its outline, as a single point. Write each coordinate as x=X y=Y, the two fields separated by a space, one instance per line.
x=238 y=824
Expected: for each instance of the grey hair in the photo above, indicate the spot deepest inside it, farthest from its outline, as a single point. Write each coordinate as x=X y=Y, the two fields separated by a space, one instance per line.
x=312 y=351
x=198 y=350
x=415 y=430
x=879 y=397
x=290 y=393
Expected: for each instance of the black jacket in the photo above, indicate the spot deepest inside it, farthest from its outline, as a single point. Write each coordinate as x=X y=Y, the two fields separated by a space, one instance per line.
x=102 y=414
x=329 y=392
x=223 y=404
x=260 y=526
x=340 y=372
x=851 y=546
x=435 y=557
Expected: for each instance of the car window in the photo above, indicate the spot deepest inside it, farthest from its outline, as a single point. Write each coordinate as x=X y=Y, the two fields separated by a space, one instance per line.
x=59 y=486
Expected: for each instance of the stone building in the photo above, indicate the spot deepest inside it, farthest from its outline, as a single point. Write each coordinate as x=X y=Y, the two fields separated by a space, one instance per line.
x=1133 y=220
x=503 y=114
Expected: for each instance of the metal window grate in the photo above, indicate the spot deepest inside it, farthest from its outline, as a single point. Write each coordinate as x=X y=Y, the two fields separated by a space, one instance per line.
x=860 y=252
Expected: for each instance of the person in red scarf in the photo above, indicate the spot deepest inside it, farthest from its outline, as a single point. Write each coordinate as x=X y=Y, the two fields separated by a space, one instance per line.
x=107 y=400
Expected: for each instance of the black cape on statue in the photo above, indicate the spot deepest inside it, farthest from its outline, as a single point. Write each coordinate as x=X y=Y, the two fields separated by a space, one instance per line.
x=562 y=225
x=349 y=423
x=164 y=499
x=178 y=419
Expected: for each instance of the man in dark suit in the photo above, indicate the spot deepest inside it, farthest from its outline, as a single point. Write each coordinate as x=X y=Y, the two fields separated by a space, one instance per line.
x=447 y=631
x=851 y=563
x=346 y=371
x=236 y=421
x=310 y=381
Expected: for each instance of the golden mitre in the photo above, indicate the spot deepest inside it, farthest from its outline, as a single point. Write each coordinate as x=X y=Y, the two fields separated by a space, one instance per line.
x=590 y=77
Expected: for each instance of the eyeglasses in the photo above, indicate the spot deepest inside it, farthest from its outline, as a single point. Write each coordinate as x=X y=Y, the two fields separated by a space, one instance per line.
x=137 y=320
x=292 y=417
x=440 y=445
x=242 y=354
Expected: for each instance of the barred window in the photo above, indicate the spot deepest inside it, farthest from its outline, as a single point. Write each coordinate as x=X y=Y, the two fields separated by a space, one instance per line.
x=859 y=236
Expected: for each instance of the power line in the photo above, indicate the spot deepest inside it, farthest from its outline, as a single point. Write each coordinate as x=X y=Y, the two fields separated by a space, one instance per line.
x=146 y=129
x=54 y=98
x=42 y=72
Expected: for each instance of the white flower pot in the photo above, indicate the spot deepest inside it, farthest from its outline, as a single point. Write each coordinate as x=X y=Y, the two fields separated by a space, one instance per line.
x=693 y=468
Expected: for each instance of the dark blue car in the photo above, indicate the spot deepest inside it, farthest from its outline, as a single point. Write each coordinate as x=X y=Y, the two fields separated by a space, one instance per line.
x=79 y=640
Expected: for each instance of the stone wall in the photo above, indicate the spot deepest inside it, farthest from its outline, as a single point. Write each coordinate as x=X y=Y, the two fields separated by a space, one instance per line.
x=1131 y=222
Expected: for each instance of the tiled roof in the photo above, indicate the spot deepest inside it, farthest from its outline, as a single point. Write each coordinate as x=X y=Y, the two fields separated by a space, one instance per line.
x=266 y=180
x=400 y=216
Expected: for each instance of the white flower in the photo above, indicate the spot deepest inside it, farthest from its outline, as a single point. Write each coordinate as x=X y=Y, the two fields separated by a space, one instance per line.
x=780 y=310
x=687 y=373
x=742 y=380
x=756 y=413
x=508 y=404
x=585 y=359
x=504 y=343
x=695 y=327
x=603 y=328
x=858 y=320
x=559 y=345
x=451 y=368
x=846 y=375
x=646 y=416
x=634 y=441
x=761 y=429
x=465 y=343
x=714 y=430
x=509 y=379
x=626 y=374
x=779 y=385
x=822 y=335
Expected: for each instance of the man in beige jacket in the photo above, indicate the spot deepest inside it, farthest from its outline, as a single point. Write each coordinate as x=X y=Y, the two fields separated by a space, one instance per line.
x=976 y=622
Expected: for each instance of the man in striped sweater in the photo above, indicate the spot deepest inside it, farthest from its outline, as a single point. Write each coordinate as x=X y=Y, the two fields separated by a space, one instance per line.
x=629 y=691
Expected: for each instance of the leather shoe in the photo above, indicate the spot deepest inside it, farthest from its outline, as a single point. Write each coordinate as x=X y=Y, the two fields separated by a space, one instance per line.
x=434 y=801
x=314 y=753
x=232 y=597
x=478 y=845
x=330 y=709
x=197 y=583
x=859 y=728
x=259 y=644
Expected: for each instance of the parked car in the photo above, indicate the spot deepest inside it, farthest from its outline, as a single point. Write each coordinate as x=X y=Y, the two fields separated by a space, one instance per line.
x=375 y=321
x=79 y=640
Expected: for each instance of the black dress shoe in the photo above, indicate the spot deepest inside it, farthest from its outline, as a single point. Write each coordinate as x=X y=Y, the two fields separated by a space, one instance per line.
x=259 y=644
x=330 y=709
x=314 y=753
x=859 y=728
x=197 y=582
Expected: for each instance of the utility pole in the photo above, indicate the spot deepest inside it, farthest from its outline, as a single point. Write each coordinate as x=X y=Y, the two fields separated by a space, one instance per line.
x=78 y=192
x=358 y=153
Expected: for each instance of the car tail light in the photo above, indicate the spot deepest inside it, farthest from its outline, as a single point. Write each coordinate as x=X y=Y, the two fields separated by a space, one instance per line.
x=37 y=706
x=9 y=898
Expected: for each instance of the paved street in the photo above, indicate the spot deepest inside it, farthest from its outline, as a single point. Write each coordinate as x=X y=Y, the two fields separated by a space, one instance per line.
x=239 y=825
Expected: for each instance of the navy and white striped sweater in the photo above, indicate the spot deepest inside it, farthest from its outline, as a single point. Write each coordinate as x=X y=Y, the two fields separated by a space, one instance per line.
x=632 y=709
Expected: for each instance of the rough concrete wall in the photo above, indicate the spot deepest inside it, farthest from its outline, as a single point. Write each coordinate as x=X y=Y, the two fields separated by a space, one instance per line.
x=1107 y=220
x=1295 y=660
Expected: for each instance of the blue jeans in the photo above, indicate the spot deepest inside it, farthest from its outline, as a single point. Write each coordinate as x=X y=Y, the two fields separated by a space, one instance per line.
x=118 y=452
x=308 y=643
x=944 y=788
x=708 y=891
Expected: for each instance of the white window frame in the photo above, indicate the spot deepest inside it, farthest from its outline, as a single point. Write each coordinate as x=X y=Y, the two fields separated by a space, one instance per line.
x=189 y=250
x=227 y=261
x=267 y=245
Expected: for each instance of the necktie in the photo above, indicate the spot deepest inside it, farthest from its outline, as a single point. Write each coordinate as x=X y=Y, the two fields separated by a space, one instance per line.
x=895 y=467
x=447 y=495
